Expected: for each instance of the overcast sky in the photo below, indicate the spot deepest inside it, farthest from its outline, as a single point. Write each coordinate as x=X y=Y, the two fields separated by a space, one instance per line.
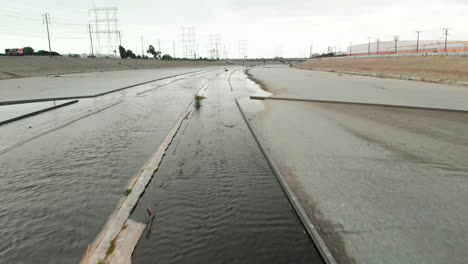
x=271 y=27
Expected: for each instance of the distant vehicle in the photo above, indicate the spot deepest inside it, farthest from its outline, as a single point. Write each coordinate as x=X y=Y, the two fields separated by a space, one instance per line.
x=14 y=52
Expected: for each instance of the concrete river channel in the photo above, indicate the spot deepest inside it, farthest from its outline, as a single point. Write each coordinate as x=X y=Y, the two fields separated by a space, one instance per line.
x=215 y=198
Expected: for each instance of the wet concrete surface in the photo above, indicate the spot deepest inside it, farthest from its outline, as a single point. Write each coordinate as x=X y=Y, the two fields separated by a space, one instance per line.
x=307 y=84
x=382 y=185
x=215 y=198
x=80 y=84
x=59 y=189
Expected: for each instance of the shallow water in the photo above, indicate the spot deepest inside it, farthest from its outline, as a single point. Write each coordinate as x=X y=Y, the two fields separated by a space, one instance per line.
x=215 y=197
x=59 y=189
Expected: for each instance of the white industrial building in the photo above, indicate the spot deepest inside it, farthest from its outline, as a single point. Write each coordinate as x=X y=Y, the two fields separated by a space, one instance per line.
x=407 y=46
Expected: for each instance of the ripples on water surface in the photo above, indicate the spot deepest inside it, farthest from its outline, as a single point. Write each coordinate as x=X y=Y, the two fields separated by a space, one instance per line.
x=58 y=190
x=216 y=199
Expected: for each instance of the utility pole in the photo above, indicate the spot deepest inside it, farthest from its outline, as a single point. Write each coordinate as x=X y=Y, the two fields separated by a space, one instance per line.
x=142 y=49
x=350 y=48
x=417 y=42
x=310 y=51
x=368 y=48
x=46 y=18
x=90 y=30
x=396 y=38
x=378 y=46
x=173 y=47
x=446 y=36
x=120 y=38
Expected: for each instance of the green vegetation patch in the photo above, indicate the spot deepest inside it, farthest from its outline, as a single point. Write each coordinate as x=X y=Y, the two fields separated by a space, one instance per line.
x=198 y=99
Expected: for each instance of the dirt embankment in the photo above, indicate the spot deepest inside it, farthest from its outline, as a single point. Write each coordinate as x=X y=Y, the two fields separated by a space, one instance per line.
x=438 y=69
x=14 y=67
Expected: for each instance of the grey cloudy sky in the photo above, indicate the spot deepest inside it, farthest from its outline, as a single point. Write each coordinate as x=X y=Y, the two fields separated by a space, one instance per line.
x=271 y=27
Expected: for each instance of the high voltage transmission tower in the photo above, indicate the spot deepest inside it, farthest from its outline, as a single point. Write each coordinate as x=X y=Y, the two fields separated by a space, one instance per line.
x=242 y=49
x=90 y=30
x=105 y=25
x=215 y=45
x=188 y=43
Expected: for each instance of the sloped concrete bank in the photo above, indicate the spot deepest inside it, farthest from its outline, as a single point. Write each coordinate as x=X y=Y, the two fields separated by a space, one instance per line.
x=435 y=69
x=17 y=67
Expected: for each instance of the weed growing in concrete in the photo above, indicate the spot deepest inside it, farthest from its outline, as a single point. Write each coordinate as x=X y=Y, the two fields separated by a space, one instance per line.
x=127 y=192
x=198 y=99
x=111 y=248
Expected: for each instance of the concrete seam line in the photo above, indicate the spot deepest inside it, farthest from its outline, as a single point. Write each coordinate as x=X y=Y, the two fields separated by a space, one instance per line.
x=357 y=103
x=117 y=219
x=312 y=231
x=90 y=96
x=36 y=112
x=66 y=123
x=176 y=80
x=229 y=79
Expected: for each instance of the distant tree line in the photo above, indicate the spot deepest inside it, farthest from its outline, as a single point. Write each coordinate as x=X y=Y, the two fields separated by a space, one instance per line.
x=156 y=54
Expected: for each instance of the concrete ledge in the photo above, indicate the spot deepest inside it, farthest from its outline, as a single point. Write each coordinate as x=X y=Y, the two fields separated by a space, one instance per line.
x=126 y=242
x=36 y=112
x=117 y=219
x=357 y=103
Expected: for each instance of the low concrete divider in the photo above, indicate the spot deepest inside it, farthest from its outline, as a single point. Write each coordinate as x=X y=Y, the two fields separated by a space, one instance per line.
x=357 y=103
x=36 y=112
x=116 y=222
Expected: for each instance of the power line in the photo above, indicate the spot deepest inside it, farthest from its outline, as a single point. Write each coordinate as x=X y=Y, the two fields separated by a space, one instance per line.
x=396 y=38
x=378 y=46
x=142 y=49
x=446 y=36
x=417 y=42
x=46 y=17
x=368 y=47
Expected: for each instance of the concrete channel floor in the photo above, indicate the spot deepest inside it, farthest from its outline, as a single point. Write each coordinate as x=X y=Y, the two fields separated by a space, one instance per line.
x=59 y=189
x=382 y=185
x=215 y=198
x=81 y=84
